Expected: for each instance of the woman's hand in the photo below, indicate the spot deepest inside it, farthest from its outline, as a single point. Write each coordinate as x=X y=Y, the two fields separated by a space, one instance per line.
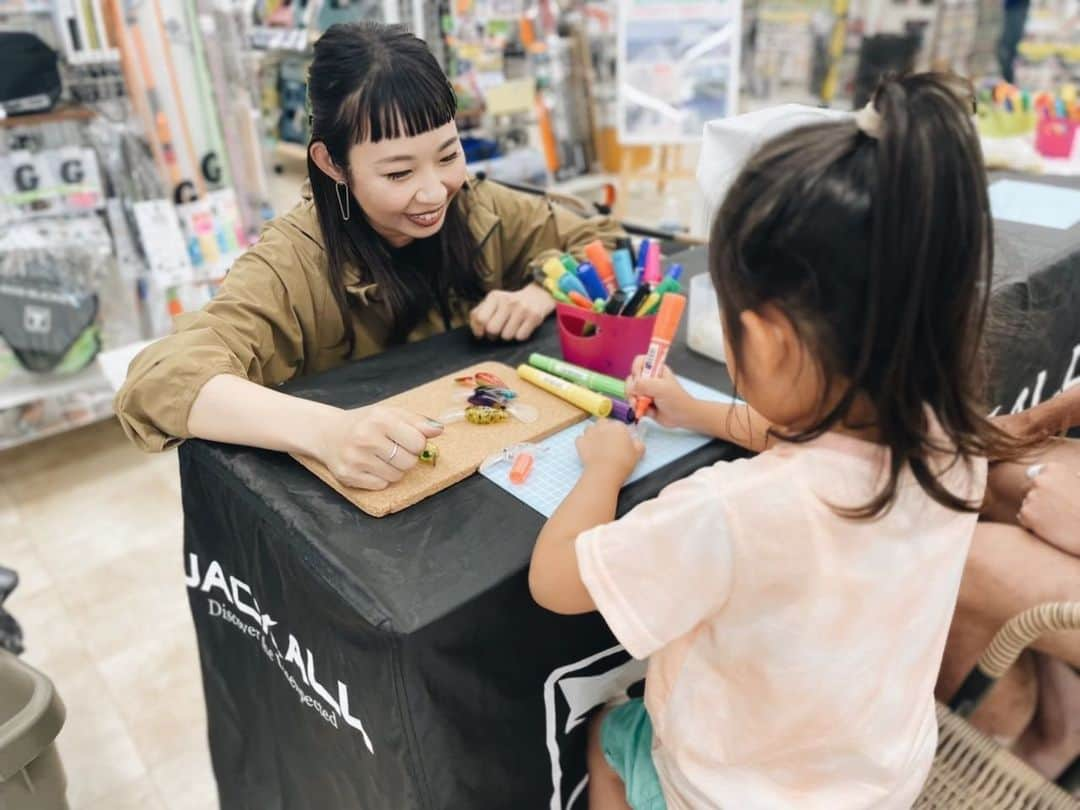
x=506 y=315
x=671 y=406
x=1051 y=508
x=611 y=448
x=371 y=448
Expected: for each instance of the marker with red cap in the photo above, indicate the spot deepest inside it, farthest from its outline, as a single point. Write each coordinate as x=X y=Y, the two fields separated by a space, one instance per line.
x=667 y=322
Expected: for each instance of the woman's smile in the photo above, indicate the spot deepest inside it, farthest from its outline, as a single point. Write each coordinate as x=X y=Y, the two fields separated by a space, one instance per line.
x=428 y=219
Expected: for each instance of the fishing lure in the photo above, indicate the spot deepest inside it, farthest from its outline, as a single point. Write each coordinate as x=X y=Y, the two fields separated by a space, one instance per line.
x=480 y=378
x=485 y=415
x=489 y=394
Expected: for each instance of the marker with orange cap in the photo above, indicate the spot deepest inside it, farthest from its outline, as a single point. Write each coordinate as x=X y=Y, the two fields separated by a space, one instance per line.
x=599 y=258
x=579 y=299
x=667 y=322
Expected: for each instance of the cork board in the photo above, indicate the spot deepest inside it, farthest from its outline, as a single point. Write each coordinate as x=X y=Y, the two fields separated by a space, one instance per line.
x=462 y=446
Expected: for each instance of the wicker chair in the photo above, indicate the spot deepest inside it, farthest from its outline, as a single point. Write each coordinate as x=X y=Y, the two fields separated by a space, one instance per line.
x=971 y=771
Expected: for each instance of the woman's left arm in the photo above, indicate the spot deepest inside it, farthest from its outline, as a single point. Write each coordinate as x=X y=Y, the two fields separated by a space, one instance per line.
x=533 y=229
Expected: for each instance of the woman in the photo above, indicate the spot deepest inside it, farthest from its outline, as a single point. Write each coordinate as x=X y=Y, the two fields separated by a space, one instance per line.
x=392 y=244
x=1026 y=554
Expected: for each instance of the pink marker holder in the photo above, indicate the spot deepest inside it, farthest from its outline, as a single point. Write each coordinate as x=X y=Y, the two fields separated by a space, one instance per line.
x=611 y=347
x=1055 y=137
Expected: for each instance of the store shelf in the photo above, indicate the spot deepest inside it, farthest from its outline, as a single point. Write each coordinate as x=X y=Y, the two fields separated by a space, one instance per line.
x=23 y=387
x=102 y=413
x=58 y=115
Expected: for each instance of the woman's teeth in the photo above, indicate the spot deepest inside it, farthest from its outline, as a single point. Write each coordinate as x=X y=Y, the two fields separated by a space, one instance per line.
x=426 y=220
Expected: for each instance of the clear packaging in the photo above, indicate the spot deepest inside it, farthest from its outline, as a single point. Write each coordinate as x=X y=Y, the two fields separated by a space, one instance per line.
x=704 y=329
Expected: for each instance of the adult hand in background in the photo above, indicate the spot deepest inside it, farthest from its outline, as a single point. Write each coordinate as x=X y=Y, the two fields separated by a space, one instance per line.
x=506 y=315
x=1051 y=508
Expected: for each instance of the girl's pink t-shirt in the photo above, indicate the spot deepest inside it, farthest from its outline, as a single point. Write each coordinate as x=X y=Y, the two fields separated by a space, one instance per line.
x=792 y=652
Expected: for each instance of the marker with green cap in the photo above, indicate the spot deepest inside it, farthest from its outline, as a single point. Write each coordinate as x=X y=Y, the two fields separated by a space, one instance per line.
x=594 y=381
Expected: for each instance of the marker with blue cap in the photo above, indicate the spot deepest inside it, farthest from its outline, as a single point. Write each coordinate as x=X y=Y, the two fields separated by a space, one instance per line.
x=624 y=271
x=592 y=282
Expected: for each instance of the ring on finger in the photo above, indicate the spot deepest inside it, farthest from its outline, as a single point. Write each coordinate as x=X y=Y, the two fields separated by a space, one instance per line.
x=393 y=453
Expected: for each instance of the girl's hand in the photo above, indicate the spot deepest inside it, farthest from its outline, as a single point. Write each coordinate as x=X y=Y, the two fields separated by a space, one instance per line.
x=671 y=406
x=506 y=315
x=1051 y=508
x=371 y=448
x=610 y=447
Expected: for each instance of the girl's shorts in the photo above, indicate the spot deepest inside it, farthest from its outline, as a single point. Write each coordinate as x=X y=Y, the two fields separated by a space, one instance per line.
x=626 y=737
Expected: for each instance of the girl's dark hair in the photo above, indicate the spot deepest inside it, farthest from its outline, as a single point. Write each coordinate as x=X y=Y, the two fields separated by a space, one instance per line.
x=879 y=250
x=368 y=82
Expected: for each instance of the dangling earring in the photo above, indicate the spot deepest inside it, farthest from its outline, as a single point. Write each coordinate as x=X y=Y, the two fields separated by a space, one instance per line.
x=342 y=199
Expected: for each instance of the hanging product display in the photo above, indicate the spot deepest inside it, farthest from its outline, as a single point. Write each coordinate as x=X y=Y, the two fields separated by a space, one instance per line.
x=678 y=68
x=29 y=78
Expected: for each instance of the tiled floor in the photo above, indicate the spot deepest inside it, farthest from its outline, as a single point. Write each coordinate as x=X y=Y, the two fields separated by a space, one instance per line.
x=94 y=529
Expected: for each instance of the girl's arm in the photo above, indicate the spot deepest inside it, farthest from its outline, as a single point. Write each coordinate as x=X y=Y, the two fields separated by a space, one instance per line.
x=609 y=454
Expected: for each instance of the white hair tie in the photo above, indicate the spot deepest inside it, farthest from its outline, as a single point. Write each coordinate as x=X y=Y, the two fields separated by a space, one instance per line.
x=869 y=121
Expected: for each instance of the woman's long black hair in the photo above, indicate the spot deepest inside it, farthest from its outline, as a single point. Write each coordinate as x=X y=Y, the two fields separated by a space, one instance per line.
x=879 y=249
x=368 y=82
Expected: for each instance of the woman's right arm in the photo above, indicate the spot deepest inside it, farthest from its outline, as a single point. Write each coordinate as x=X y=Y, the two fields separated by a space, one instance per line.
x=357 y=446
x=209 y=379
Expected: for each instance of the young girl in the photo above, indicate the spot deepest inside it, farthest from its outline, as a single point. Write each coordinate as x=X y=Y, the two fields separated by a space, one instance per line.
x=794 y=606
x=391 y=244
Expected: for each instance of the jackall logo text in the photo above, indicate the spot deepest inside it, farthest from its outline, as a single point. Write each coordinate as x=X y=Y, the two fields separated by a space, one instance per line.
x=239 y=607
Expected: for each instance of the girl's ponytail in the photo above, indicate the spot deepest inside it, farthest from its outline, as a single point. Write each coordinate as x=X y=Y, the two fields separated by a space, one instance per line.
x=875 y=238
x=931 y=257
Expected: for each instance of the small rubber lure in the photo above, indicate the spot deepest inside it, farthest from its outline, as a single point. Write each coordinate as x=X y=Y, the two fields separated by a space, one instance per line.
x=497 y=395
x=495 y=391
x=480 y=378
x=429 y=455
x=486 y=400
x=484 y=415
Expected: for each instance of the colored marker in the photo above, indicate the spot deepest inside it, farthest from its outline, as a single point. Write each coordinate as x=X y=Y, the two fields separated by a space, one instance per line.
x=642 y=254
x=624 y=271
x=648 y=305
x=615 y=303
x=552 y=287
x=653 y=274
x=622 y=412
x=598 y=256
x=627 y=244
x=588 y=276
x=588 y=401
x=569 y=283
x=569 y=262
x=636 y=300
x=671 y=281
x=598 y=306
x=553 y=268
x=667 y=322
x=579 y=300
x=593 y=380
